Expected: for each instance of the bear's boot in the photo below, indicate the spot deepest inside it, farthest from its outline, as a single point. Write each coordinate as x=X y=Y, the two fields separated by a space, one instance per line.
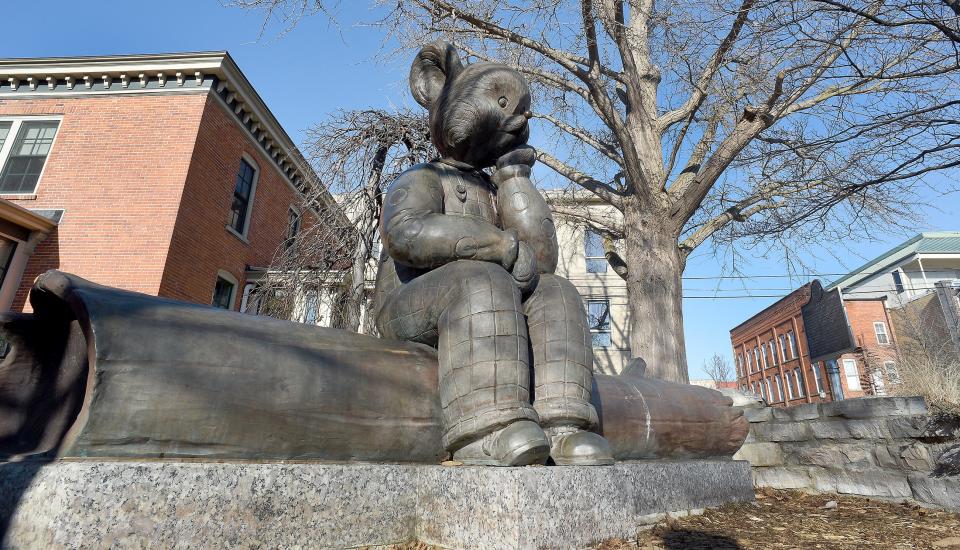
x=563 y=373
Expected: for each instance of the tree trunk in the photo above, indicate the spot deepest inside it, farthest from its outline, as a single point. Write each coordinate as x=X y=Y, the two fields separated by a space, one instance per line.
x=655 y=265
x=366 y=224
x=355 y=300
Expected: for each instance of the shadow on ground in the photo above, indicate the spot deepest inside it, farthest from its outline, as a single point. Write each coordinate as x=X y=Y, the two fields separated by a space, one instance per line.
x=686 y=539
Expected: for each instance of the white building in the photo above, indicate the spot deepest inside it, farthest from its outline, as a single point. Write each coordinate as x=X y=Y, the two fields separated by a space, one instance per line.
x=582 y=261
x=906 y=272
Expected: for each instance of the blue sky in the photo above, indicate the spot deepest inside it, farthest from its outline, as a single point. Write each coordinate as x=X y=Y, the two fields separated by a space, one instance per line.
x=317 y=68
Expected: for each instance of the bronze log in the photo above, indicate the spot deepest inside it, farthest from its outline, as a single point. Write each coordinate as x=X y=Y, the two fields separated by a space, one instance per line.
x=101 y=372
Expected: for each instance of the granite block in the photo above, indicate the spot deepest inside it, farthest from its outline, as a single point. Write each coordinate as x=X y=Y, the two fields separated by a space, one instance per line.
x=943 y=492
x=166 y=504
x=875 y=407
x=850 y=429
x=783 y=477
x=782 y=431
x=905 y=427
x=857 y=455
x=797 y=413
x=878 y=483
x=569 y=506
x=754 y=415
x=761 y=454
x=204 y=505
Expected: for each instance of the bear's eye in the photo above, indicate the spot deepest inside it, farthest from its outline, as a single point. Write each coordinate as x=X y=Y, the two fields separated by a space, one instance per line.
x=503 y=101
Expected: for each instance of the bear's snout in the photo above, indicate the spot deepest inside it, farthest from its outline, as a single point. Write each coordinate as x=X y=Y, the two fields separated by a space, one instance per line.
x=514 y=124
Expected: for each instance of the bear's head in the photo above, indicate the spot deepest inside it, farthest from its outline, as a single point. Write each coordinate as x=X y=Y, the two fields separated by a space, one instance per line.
x=478 y=112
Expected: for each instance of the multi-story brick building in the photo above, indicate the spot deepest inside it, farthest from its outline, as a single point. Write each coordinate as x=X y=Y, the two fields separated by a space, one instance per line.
x=163 y=174
x=853 y=348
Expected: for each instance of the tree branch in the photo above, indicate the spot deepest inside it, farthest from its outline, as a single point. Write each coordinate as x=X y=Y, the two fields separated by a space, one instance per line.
x=693 y=103
x=602 y=190
x=606 y=149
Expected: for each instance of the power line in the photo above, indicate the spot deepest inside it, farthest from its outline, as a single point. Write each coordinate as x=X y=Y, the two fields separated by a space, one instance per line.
x=791 y=276
x=875 y=290
x=797 y=275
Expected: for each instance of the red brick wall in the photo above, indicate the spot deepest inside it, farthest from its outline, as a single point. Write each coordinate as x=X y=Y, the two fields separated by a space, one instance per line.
x=201 y=244
x=861 y=315
x=117 y=168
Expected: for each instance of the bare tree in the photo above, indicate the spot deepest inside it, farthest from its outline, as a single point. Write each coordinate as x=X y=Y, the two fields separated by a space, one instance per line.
x=718 y=369
x=730 y=121
x=329 y=265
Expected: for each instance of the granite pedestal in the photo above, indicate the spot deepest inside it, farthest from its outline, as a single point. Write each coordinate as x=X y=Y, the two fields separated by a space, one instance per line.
x=166 y=504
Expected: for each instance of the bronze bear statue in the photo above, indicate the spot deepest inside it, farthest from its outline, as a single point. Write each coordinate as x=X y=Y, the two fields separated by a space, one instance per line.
x=468 y=268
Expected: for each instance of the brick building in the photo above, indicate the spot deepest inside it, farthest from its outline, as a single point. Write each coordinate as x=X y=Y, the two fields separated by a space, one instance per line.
x=162 y=174
x=852 y=341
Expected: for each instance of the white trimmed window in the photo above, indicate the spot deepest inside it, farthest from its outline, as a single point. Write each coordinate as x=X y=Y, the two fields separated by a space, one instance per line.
x=311 y=307
x=598 y=314
x=593 y=252
x=25 y=144
x=224 y=290
x=881 y=329
x=789 y=380
x=852 y=373
x=817 y=377
x=773 y=353
x=779 y=387
x=801 y=392
x=769 y=391
x=793 y=344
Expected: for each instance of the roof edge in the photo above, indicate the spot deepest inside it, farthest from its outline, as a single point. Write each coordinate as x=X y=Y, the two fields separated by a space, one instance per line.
x=773 y=305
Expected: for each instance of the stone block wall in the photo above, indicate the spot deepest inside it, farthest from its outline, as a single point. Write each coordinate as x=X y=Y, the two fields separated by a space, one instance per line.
x=889 y=447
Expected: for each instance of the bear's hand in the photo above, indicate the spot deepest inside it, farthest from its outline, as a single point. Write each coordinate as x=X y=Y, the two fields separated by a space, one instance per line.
x=525 y=268
x=522 y=155
x=515 y=163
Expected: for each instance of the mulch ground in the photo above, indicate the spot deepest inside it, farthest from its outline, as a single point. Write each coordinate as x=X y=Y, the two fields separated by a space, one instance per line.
x=791 y=519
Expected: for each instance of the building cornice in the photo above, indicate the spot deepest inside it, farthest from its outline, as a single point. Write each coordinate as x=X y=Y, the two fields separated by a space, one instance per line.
x=176 y=73
x=798 y=297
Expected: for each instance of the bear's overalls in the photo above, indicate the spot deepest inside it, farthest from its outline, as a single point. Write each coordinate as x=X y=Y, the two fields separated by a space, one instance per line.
x=484 y=329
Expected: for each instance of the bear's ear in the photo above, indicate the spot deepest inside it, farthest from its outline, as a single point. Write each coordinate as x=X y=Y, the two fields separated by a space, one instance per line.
x=434 y=65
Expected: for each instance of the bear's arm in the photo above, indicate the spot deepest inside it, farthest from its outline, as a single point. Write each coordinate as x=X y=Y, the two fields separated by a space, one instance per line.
x=524 y=209
x=417 y=233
